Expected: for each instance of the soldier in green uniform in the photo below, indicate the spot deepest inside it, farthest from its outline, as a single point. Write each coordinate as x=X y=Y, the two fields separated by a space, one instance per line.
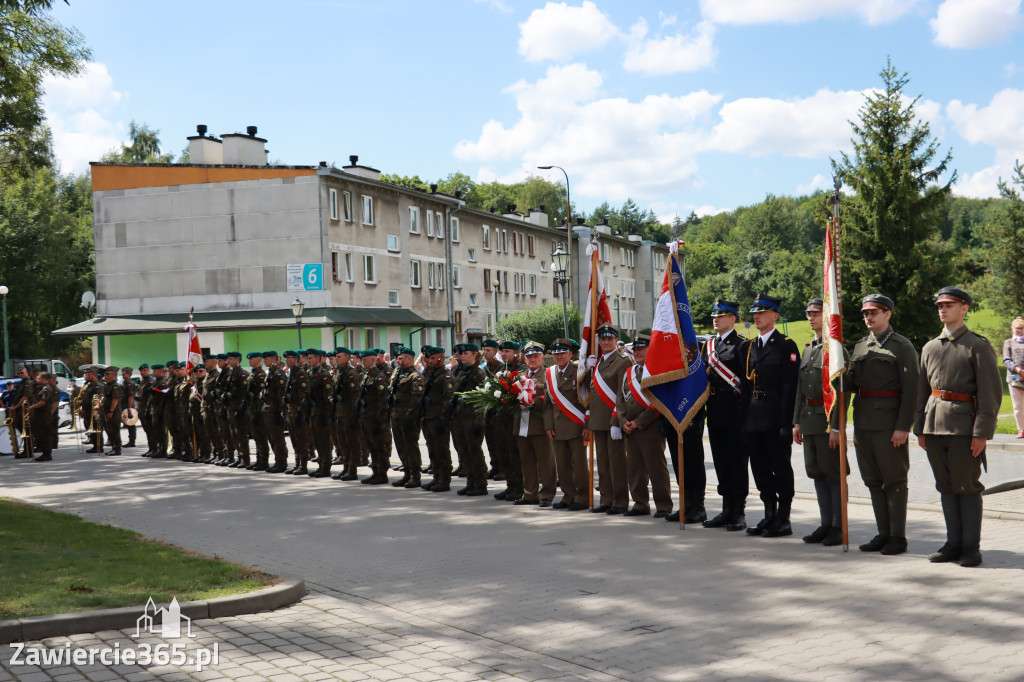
x=883 y=380
x=170 y=410
x=321 y=388
x=404 y=392
x=271 y=409
x=208 y=408
x=24 y=395
x=203 y=447
x=508 y=462
x=253 y=389
x=296 y=397
x=438 y=388
x=130 y=391
x=467 y=430
x=234 y=404
x=142 y=397
x=348 y=381
x=958 y=400
x=334 y=357
x=492 y=364
x=40 y=416
x=373 y=416
x=157 y=397
x=110 y=409
x=225 y=452
x=89 y=391
x=182 y=401
x=819 y=438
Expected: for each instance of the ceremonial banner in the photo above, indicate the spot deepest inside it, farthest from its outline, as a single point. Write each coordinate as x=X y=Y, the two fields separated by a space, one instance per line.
x=832 y=322
x=675 y=378
x=603 y=316
x=195 y=353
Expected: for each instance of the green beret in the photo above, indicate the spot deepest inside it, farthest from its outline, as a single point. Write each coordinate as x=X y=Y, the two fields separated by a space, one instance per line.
x=234 y=354
x=430 y=351
x=508 y=345
x=144 y=366
x=253 y=354
x=222 y=356
x=404 y=350
x=466 y=347
x=157 y=366
x=490 y=343
x=368 y=353
x=342 y=349
x=291 y=354
x=209 y=356
x=171 y=363
x=270 y=353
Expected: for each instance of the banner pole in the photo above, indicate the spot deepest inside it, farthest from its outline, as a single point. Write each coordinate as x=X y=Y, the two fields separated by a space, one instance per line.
x=682 y=480
x=595 y=296
x=844 y=491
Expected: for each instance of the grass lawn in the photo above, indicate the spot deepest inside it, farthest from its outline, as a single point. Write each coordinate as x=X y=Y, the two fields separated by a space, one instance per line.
x=57 y=563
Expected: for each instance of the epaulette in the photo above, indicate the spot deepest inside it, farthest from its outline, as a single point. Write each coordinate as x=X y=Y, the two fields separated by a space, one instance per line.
x=983 y=338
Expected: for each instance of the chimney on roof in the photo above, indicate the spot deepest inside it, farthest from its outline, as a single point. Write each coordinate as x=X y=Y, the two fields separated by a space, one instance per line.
x=603 y=227
x=250 y=131
x=458 y=194
x=433 y=188
x=581 y=221
x=353 y=160
x=323 y=164
x=245 y=150
x=362 y=171
x=538 y=216
x=203 y=149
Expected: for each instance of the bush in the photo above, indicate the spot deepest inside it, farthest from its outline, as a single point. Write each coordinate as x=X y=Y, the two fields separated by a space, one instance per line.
x=542 y=324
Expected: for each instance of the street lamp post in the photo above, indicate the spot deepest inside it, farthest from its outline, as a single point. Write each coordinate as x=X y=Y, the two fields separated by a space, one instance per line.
x=494 y=326
x=7 y=350
x=297 y=307
x=618 y=311
x=560 y=266
x=568 y=216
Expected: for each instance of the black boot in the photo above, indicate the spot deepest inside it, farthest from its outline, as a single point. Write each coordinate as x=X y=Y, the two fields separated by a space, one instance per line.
x=970 y=518
x=770 y=509
x=738 y=520
x=695 y=512
x=780 y=525
x=723 y=517
x=954 y=531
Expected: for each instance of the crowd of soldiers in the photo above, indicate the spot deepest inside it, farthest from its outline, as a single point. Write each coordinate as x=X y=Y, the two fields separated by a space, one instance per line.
x=348 y=407
x=32 y=413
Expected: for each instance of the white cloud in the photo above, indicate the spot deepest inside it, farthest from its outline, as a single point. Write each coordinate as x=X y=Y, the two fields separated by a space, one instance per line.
x=80 y=112
x=498 y=5
x=975 y=23
x=670 y=54
x=999 y=125
x=817 y=183
x=1011 y=69
x=666 y=20
x=559 y=31
x=797 y=11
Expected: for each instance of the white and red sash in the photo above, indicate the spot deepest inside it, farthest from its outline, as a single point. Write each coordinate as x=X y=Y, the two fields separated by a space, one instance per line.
x=603 y=391
x=720 y=368
x=634 y=387
x=560 y=401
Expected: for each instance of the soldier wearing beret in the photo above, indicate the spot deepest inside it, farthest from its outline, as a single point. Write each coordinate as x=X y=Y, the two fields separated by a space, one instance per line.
x=564 y=420
x=958 y=399
x=405 y=389
x=818 y=435
x=505 y=457
x=271 y=409
x=251 y=408
x=438 y=392
x=772 y=364
x=883 y=382
x=170 y=410
x=296 y=399
x=373 y=415
x=347 y=384
x=467 y=430
x=110 y=409
x=234 y=404
x=40 y=410
x=492 y=364
x=321 y=388
x=144 y=392
x=130 y=390
x=195 y=411
x=208 y=409
x=158 y=394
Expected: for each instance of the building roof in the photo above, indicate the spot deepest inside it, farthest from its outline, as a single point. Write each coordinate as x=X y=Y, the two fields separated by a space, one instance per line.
x=248 y=319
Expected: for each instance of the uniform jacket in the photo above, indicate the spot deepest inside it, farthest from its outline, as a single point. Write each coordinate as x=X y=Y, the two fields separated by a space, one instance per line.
x=207 y=390
x=812 y=418
x=348 y=381
x=297 y=389
x=963 y=363
x=113 y=399
x=321 y=387
x=406 y=389
x=535 y=421
x=274 y=386
x=564 y=427
x=632 y=410
x=769 y=382
x=889 y=366
x=611 y=368
x=725 y=405
x=237 y=388
x=466 y=378
x=375 y=392
x=144 y=393
x=89 y=391
x=438 y=388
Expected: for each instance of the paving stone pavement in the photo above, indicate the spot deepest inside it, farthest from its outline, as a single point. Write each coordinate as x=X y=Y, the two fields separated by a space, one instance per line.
x=412 y=585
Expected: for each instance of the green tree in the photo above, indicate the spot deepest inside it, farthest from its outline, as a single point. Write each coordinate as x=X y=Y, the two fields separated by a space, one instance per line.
x=890 y=225
x=1005 y=252
x=143 y=147
x=535 y=192
x=32 y=46
x=542 y=324
x=404 y=181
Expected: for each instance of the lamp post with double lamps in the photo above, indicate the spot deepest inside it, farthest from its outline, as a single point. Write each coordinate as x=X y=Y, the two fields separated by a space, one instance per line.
x=297 y=307
x=560 y=266
x=568 y=215
x=7 y=349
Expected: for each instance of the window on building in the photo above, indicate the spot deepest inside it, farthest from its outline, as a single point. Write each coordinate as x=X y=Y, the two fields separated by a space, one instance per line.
x=515 y=244
x=455 y=229
x=349 y=276
x=543 y=266
x=519 y=238
x=371 y=336
x=629 y=258
x=622 y=256
x=414 y=274
x=487 y=238
x=490 y=323
x=487 y=279
x=430 y=275
x=369 y=271
x=393 y=297
x=440 y=275
x=458 y=322
x=347 y=206
x=555 y=287
x=351 y=338
x=414 y=220
x=533 y=285
x=332 y=195
x=440 y=225
x=554 y=245
x=472 y=301
x=367 y=210
x=504 y=282
x=430 y=223
x=456 y=276
x=438 y=337
x=471 y=255
x=530 y=240
x=605 y=255
x=336 y=266
x=504 y=241
x=393 y=242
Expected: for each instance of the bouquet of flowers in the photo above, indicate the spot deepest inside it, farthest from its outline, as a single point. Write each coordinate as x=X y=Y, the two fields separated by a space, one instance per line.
x=505 y=391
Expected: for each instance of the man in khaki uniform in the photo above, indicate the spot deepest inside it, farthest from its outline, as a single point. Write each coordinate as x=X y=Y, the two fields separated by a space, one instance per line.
x=321 y=388
x=604 y=376
x=209 y=408
x=564 y=419
x=438 y=388
x=819 y=439
x=373 y=415
x=506 y=458
x=645 y=445
x=536 y=458
x=347 y=381
x=958 y=399
x=92 y=389
x=195 y=411
x=40 y=412
x=110 y=410
x=405 y=390
x=159 y=394
x=467 y=431
x=234 y=403
x=883 y=379
x=130 y=390
x=296 y=398
x=492 y=436
x=143 y=396
x=271 y=408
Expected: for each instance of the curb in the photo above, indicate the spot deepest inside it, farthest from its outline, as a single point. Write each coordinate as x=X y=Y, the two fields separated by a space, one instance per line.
x=39 y=627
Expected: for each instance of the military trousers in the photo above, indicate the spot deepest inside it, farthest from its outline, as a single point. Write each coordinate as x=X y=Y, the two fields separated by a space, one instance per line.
x=406 y=432
x=956 y=471
x=147 y=428
x=259 y=436
x=573 y=470
x=41 y=424
x=508 y=462
x=771 y=463
x=538 y=463
x=730 y=460
x=299 y=435
x=323 y=442
x=170 y=425
x=645 y=461
x=159 y=433
x=468 y=437
x=377 y=436
x=613 y=479
x=212 y=426
x=238 y=428
x=202 y=436
x=437 y=433
x=349 y=439
x=820 y=461
x=881 y=465
x=273 y=426
x=112 y=427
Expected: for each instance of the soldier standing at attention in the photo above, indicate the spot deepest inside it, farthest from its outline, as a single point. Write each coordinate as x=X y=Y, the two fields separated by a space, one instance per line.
x=493 y=364
x=253 y=390
x=537 y=459
x=40 y=415
x=404 y=393
x=564 y=419
x=373 y=416
x=296 y=396
x=508 y=463
x=182 y=400
x=234 y=403
x=113 y=397
x=130 y=390
x=347 y=383
x=603 y=379
x=91 y=389
x=336 y=371
x=467 y=431
x=771 y=371
x=195 y=411
x=883 y=378
x=438 y=390
x=170 y=406
x=958 y=399
x=820 y=441
x=271 y=409
x=53 y=409
x=208 y=407
x=321 y=388
x=157 y=397
x=142 y=398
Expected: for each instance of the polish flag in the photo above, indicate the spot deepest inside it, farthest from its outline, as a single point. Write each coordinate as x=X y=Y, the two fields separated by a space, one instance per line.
x=832 y=329
x=195 y=353
x=588 y=343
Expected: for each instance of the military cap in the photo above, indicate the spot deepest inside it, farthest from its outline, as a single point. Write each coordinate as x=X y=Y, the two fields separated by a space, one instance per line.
x=379 y=351
x=764 y=302
x=157 y=366
x=470 y=347
x=356 y=352
x=290 y=354
x=144 y=366
x=111 y=369
x=254 y=354
x=947 y=293
x=269 y=354
x=342 y=349
x=234 y=354
x=575 y=345
x=404 y=350
x=429 y=351
x=642 y=341
x=532 y=348
x=371 y=353
x=561 y=345
x=126 y=369
x=608 y=330
x=876 y=302
x=508 y=345
x=222 y=356
x=209 y=356
x=816 y=303
x=171 y=363
x=723 y=307
x=490 y=343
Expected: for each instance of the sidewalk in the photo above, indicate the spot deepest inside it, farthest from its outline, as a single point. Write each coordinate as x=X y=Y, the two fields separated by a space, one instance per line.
x=413 y=585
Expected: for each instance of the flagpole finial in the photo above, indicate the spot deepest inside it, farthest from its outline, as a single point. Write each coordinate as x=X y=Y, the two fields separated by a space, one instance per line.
x=190 y=311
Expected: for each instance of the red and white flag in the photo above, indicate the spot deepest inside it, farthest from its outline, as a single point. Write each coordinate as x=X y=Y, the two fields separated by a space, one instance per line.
x=588 y=345
x=832 y=323
x=195 y=353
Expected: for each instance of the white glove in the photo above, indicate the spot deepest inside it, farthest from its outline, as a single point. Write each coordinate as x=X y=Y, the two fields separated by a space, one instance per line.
x=591 y=361
x=616 y=433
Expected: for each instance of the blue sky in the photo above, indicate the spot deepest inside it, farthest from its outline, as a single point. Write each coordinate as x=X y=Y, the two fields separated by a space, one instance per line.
x=702 y=105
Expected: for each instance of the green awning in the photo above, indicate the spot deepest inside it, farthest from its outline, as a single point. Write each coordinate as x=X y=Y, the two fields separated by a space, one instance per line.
x=249 y=319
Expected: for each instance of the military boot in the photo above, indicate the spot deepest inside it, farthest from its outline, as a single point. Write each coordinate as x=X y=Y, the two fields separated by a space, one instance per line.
x=694 y=503
x=737 y=519
x=770 y=509
x=880 y=504
x=722 y=518
x=780 y=525
x=897 y=502
x=970 y=518
x=954 y=531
